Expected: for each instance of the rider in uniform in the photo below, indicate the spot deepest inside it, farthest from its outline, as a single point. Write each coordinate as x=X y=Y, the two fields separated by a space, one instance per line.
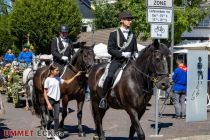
x=122 y=45
x=61 y=47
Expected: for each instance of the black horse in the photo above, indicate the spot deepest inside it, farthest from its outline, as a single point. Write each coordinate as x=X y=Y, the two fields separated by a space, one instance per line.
x=82 y=60
x=134 y=90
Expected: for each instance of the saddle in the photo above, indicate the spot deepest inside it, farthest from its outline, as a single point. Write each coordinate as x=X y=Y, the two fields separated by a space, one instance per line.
x=116 y=78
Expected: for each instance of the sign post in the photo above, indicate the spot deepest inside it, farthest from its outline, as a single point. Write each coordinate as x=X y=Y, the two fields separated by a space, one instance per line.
x=160 y=3
x=159 y=14
x=159 y=31
x=156 y=15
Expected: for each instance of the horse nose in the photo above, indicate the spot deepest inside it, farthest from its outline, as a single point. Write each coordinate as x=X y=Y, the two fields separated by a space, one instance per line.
x=164 y=85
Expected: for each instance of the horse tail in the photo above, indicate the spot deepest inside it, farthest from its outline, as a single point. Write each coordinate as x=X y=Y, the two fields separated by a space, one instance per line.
x=36 y=103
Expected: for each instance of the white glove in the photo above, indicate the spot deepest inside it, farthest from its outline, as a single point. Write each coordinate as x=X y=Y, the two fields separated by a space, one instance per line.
x=136 y=55
x=126 y=54
x=64 y=58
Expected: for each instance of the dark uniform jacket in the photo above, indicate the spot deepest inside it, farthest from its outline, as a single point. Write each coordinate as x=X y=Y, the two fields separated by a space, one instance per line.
x=116 y=51
x=58 y=46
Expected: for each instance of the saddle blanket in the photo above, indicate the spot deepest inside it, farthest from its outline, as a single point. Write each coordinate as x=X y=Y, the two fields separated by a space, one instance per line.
x=46 y=57
x=116 y=78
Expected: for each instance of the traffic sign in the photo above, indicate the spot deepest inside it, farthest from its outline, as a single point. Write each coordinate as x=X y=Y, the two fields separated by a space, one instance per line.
x=160 y=3
x=156 y=15
x=159 y=31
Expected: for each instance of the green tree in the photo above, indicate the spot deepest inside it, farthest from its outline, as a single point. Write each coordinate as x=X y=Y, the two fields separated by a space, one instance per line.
x=5 y=36
x=41 y=19
x=185 y=18
x=106 y=15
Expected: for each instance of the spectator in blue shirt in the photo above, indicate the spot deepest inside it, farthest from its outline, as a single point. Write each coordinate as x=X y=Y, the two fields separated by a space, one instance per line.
x=179 y=89
x=9 y=57
x=26 y=56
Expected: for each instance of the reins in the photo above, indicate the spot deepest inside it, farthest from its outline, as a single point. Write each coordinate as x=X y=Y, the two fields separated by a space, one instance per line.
x=153 y=79
x=73 y=68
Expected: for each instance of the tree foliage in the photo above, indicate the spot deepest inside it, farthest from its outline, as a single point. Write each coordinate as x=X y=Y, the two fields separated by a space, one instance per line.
x=41 y=19
x=5 y=36
x=185 y=18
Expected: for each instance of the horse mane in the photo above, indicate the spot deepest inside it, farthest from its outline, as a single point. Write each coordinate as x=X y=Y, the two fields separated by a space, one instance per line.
x=75 y=56
x=155 y=46
x=145 y=51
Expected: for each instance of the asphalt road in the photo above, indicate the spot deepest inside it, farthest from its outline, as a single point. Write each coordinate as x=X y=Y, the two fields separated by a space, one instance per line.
x=116 y=124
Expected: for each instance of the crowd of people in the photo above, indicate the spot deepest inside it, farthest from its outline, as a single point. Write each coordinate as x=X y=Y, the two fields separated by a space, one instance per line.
x=24 y=58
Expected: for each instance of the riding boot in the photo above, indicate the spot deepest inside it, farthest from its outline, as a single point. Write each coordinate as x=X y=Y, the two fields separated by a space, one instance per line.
x=106 y=87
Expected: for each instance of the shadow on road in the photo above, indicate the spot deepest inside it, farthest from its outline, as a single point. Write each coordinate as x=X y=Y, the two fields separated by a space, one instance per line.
x=120 y=138
x=73 y=130
x=167 y=115
x=162 y=125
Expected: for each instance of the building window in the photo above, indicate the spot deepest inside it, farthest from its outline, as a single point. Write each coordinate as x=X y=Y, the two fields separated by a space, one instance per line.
x=204 y=23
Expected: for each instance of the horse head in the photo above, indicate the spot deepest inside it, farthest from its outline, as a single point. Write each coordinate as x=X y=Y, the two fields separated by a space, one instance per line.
x=155 y=64
x=36 y=62
x=83 y=59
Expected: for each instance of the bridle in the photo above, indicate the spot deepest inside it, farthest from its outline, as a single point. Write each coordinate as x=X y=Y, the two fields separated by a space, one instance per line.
x=83 y=66
x=154 y=77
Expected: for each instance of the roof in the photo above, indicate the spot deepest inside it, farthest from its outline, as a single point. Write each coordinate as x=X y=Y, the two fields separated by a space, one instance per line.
x=85 y=9
x=202 y=45
x=102 y=36
x=181 y=51
x=197 y=32
x=99 y=36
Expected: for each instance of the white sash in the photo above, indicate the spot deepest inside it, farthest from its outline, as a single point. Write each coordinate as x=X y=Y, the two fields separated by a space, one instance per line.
x=125 y=44
x=59 y=50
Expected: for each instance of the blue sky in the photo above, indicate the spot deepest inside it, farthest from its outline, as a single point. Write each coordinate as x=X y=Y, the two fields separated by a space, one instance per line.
x=8 y=2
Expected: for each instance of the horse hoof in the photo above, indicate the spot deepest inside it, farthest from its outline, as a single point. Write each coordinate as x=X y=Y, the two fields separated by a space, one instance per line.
x=27 y=108
x=33 y=112
x=82 y=134
x=61 y=129
x=95 y=137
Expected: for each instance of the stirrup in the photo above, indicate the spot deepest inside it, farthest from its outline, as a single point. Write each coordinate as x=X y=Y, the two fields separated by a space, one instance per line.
x=103 y=104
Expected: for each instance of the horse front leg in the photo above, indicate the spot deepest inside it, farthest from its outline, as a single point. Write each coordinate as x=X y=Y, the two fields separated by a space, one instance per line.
x=98 y=117
x=64 y=112
x=43 y=111
x=132 y=129
x=134 y=117
x=79 y=117
x=27 y=90
x=43 y=117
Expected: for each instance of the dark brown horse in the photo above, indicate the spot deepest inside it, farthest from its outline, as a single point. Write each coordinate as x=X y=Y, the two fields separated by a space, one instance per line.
x=134 y=89
x=82 y=60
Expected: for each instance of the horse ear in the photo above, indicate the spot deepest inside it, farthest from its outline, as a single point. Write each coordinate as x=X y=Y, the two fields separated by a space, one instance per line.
x=156 y=44
x=82 y=44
